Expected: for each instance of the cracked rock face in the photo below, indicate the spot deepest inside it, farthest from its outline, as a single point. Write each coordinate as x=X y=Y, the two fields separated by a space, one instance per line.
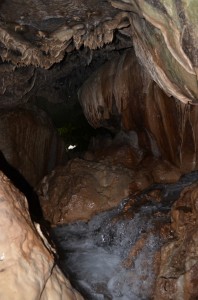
x=27 y=267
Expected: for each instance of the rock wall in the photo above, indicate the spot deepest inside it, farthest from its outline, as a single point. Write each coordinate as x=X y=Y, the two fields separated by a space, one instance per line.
x=29 y=142
x=121 y=95
x=165 y=39
x=27 y=267
x=15 y=84
x=178 y=274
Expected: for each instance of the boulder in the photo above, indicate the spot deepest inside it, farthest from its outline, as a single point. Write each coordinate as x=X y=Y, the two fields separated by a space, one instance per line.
x=81 y=189
x=84 y=188
x=27 y=266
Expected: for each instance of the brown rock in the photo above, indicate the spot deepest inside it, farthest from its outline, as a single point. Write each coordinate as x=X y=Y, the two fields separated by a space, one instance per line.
x=128 y=262
x=165 y=43
x=178 y=275
x=119 y=154
x=121 y=94
x=142 y=180
x=29 y=142
x=155 y=195
x=164 y=172
x=152 y=170
x=165 y=39
x=27 y=268
x=15 y=84
x=81 y=189
x=123 y=150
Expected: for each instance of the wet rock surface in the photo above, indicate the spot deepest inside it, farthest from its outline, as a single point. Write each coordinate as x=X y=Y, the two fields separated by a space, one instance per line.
x=178 y=274
x=27 y=267
x=118 y=254
x=112 y=169
x=29 y=142
x=81 y=189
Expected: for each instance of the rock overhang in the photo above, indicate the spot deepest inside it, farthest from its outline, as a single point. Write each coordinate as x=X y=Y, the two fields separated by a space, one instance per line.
x=40 y=33
x=164 y=35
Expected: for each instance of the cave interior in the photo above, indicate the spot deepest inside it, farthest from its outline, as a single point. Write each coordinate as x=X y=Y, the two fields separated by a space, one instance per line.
x=98 y=130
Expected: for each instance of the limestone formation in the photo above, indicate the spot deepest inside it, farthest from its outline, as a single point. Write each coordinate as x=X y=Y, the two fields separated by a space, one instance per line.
x=39 y=33
x=15 y=84
x=29 y=142
x=121 y=150
x=81 y=189
x=27 y=267
x=150 y=92
x=121 y=95
x=84 y=188
x=165 y=40
x=124 y=150
x=178 y=274
x=164 y=35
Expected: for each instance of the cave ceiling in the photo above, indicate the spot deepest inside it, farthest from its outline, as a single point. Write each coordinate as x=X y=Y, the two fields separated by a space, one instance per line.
x=48 y=49
x=45 y=43
x=40 y=32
